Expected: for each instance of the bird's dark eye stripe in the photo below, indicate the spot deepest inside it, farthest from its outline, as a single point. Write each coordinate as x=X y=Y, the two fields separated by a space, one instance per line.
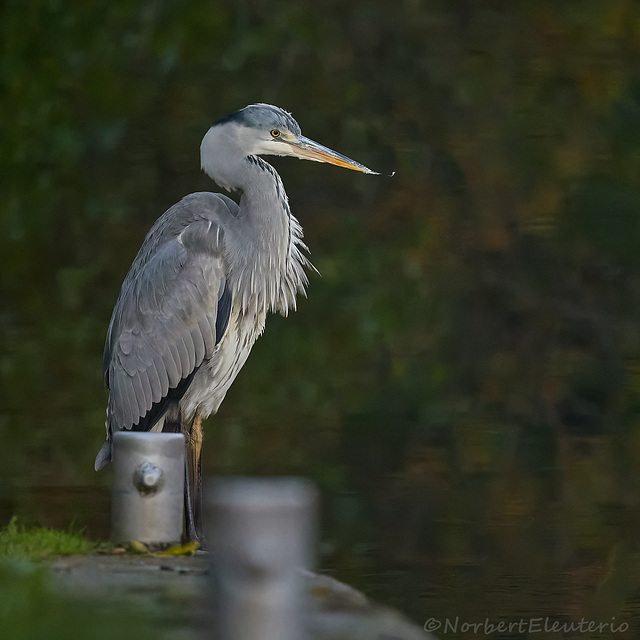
x=275 y=133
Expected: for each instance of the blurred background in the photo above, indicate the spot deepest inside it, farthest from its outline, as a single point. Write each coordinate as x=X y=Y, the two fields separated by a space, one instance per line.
x=463 y=381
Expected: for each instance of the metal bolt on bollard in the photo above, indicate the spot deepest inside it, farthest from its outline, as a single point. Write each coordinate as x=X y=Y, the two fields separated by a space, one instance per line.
x=148 y=487
x=260 y=534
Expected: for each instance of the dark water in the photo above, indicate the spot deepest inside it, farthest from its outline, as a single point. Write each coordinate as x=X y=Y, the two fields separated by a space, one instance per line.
x=463 y=381
x=86 y=508
x=534 y=584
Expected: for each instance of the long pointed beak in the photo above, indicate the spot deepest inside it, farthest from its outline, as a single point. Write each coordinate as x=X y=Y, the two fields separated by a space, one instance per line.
x=309 y=150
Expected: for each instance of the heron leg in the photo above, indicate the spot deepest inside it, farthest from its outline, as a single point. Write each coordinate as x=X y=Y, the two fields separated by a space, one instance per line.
x=174 y=423
x=193 y=486
x=188 y=507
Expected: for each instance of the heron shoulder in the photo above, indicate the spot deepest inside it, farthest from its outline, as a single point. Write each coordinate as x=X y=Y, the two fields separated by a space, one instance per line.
x=198 y=206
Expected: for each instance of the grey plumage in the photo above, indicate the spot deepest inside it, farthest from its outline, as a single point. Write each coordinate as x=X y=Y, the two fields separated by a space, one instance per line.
x=166 y=320
x=209 y=270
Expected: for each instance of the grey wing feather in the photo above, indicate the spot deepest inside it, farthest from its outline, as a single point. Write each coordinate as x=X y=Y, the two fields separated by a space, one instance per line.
x=164 y=323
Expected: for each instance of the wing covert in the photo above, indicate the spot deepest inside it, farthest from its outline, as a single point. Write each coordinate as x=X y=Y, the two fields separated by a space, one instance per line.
x=165 y=321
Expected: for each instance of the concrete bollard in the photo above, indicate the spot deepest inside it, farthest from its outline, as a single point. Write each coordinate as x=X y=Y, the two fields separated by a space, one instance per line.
x=148 y=487
x=260 y=534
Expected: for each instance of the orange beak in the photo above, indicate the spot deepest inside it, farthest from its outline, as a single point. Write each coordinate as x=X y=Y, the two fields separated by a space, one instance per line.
x=309 y=150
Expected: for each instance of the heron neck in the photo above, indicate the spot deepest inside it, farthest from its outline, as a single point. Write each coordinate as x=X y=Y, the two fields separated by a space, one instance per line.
x=264 y=201
x=269 y=241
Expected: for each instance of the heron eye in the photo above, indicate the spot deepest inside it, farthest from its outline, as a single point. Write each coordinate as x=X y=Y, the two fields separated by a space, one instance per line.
x=275 y=133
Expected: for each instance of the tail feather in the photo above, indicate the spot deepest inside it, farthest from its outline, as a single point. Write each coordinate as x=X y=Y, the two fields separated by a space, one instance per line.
x=104 y=456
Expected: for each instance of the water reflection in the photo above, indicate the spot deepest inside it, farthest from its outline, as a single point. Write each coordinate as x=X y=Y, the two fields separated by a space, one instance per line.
x=460 y=575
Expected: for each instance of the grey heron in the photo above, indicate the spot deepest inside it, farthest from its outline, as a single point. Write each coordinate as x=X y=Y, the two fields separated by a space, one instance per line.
x=197 y=294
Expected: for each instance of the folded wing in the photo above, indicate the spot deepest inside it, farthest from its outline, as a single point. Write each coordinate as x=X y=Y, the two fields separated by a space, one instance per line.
x=167 y=321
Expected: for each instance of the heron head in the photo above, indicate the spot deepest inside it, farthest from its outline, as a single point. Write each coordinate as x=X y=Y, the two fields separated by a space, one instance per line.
x=262 y=129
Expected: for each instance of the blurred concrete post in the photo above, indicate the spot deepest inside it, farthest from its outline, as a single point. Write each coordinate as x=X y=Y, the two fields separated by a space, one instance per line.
x=260 y=534
x=148 y=487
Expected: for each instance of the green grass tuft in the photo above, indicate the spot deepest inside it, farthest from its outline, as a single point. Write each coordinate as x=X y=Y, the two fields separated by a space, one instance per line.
x=30 y=607
x=18 y=542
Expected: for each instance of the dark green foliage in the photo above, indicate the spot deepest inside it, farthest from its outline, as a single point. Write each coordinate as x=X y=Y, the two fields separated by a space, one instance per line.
x=471 y=352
